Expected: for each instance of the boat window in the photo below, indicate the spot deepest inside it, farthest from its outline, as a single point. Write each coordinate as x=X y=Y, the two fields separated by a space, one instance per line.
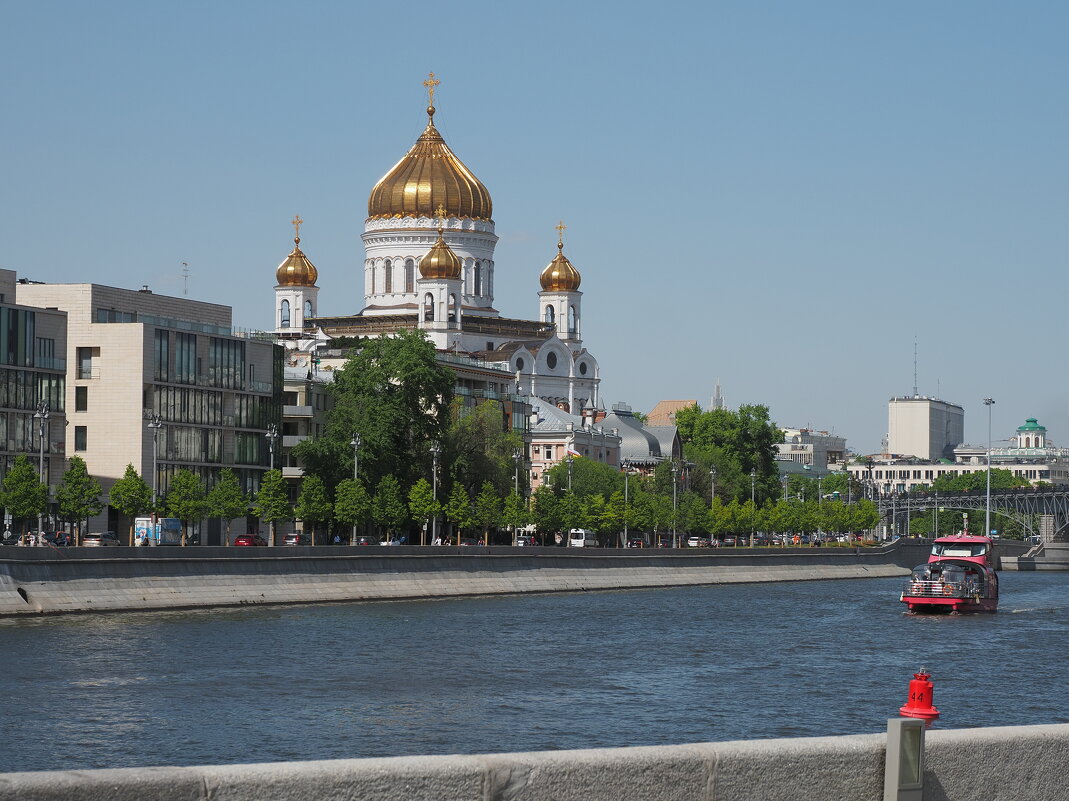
x=959 y=549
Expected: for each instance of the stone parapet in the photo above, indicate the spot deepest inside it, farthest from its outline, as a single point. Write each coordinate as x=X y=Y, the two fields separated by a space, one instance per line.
x=1020 y=763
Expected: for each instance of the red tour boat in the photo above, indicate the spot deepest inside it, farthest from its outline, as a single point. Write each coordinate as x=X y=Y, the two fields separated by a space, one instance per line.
x=959 y=577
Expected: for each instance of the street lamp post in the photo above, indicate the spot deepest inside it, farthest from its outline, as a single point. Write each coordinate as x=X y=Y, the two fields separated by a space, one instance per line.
x=675 y=537
x=712 y=487
x=42 y=418
x=988 y=402
x=753 y=501
x=272 y=435
x=156 y=423
x=627 y=472
x=436 y=450
x=355 y=443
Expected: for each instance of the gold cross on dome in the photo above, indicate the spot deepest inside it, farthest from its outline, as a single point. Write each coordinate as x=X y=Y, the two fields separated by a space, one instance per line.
x=430 y=83
x=440 y=212
x=561 y=227
x=297 y=225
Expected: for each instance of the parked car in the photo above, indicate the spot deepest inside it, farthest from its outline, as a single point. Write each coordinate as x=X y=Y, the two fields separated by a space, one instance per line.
x=363 y=539
x=294 y=538
x=100 y=539
x=636 y=542
x=525 y=539
x=697 y=542
x=250 y=539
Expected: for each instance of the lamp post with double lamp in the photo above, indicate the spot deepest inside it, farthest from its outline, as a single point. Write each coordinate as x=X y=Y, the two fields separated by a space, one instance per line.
x=355 y=444
x=712 y=487
x=156 y=423
x=436 y=451
x=568 y=461
x=675 y=473
x=988 y=402
x=753 y=501
x=42 y=418
x=626 y=465
x=272 y=435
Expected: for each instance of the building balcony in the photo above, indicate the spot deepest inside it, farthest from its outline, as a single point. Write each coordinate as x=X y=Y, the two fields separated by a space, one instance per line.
x=289 y=440
x=292 y=472
x=86 y=373
x=298 y=411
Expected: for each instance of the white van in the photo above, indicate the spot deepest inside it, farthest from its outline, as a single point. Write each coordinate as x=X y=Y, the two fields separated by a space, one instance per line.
x=581 y=538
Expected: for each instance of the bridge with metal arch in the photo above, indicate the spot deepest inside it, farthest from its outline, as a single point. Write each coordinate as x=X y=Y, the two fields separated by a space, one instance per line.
x=1029 y=506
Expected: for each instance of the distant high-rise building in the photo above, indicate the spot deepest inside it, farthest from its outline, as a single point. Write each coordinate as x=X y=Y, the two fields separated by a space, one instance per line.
x=927 y=428
x=717 y=401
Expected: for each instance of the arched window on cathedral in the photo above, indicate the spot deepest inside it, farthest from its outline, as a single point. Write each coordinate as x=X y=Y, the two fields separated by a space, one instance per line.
x=308 y=310
x=478 y=278
x=388 y=279
x=410 y=275
x=549 y=315
x=284 y=314
x=454 y=308
x=428 y=307
x=571 y=320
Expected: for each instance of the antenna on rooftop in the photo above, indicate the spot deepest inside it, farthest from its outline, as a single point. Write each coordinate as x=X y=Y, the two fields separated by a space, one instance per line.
x=915 y=367
x=185 y=278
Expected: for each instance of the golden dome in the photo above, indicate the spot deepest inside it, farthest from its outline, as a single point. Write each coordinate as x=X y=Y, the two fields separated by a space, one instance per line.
x=296 y=270
x=440 y=261
x=560 y=275
x=427 y=177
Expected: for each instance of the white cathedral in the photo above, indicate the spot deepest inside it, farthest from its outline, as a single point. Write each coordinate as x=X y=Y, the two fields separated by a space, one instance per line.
x=429 y=264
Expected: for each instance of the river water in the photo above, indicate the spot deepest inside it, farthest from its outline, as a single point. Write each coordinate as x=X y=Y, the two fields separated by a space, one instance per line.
x=517 y=673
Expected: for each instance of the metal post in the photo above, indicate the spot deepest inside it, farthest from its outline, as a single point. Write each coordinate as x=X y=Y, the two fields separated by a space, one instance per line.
x=272 y=435
x=753 y=501
x=155 y=424
x=627 y=472
x=42 y=418
x=436 y=449
x=712 y=487
x=988 y=402
x=355 y=443
x=568 y=459
x=675 y=537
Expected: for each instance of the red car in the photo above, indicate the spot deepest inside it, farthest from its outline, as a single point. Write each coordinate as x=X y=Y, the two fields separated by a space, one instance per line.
x=250 y=539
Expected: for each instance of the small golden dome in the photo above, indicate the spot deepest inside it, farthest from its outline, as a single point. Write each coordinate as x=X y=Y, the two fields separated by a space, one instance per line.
x=560 y=275
x=427 y=177
x=440 y=261
x=296 y=270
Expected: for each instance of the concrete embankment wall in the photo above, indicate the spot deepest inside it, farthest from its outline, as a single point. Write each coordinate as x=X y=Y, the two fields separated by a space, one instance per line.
x=39 y=580
x=1021 y=763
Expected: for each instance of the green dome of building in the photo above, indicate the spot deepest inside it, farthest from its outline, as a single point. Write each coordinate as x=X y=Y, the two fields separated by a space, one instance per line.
x=1031 y=424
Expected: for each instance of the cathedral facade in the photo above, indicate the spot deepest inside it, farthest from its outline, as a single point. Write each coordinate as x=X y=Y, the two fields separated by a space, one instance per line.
x=429 y=264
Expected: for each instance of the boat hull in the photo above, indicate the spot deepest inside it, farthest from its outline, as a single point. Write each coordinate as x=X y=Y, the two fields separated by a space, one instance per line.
x=946 y=606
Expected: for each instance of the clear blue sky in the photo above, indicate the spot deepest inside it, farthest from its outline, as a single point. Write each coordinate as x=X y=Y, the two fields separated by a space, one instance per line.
x=782 y=195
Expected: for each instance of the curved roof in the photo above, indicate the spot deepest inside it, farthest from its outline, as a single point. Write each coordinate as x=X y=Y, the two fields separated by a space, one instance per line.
x=1031 y=424
x=560 y=274
x=637 y=443
x=428 y=177
x=296 y=270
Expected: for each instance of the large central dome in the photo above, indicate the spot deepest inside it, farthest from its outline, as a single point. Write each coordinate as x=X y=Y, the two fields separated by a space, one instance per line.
x=427 y=177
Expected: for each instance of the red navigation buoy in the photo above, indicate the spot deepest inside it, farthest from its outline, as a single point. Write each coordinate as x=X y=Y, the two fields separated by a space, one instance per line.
x=919 y=704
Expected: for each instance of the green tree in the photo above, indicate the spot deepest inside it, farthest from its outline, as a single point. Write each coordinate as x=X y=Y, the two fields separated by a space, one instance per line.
x=458 y=508
x=546 y=513
x=487 y=510
x=589 y=477
x=388 y=510
x=313 y=504
x=480 y=446
x=186 y=499
x=78 y=494
x=272 y=501
x=422 y=506
x=226 y=500
x=977 y=480
x=131 y=496
x=352 y=504
x=25 y=497
x=514 y=513
x=397 y=396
